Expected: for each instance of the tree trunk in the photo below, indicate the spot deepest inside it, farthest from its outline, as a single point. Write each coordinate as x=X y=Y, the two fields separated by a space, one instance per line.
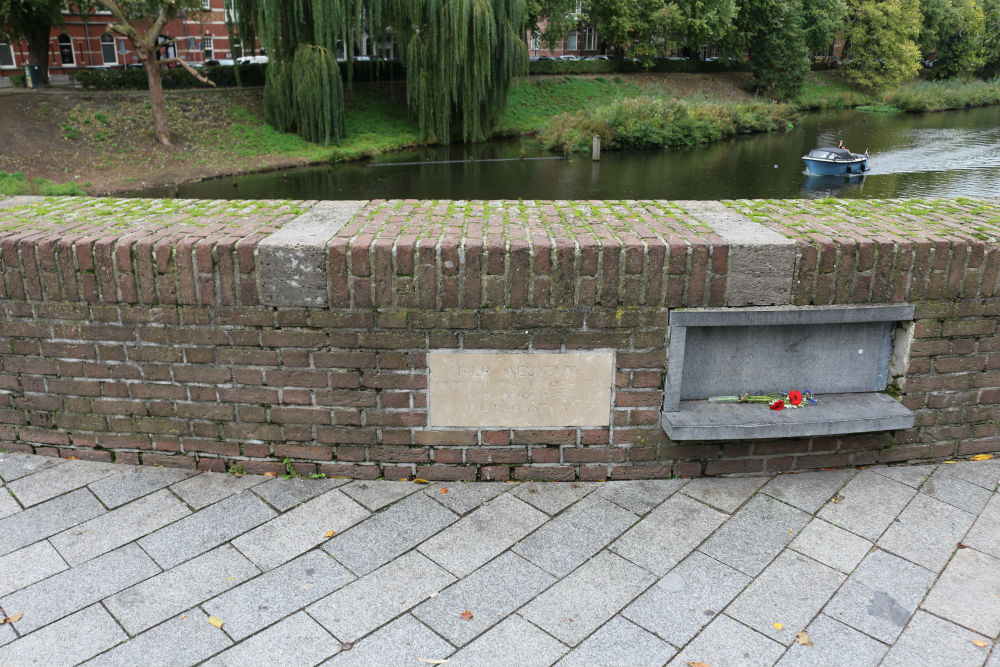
x=38 y=50
x=147 y=55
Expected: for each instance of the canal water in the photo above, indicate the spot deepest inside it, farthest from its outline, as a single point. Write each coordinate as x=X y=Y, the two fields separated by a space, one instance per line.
x=948 y=154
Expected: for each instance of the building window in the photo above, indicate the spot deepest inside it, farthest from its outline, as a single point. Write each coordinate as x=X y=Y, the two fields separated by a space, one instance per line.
x=571 y=41
x=206 y=44
x=108 y=49
x=206 y=4
x=6 y=55
x=590 y=39
x=237 y=48
x=536 y=42
x=66 y=50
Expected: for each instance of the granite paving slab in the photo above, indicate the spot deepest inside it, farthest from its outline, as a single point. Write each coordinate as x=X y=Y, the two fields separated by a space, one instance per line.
x=55 y=481
x=985 y=533
x=46 y=519
x=641 y=495
x=724 y=493
x=182 y=641
x=831 y=545
x=834 y=645
x=929 y=641
x=376 y=495
x=967 y=593
x=14 y=465
x=808 y=490
x=66 y=642
x=619 y=642
x=24 y=567
x=983 y=473
x=463 y=497
x=211 y=487
x=402 y=642
x=927 y=532
x=514 y=641
x=297 y=641
x=956 y=491
x=8 y=505
x=727 y=643
x=553 y=497
x=911 y=475
x=755 y=534
x=283 y=493
x=869 y=504
x=135 y=482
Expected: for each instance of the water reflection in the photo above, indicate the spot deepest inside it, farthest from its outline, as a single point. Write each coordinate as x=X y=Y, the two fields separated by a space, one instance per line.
x=820 y=187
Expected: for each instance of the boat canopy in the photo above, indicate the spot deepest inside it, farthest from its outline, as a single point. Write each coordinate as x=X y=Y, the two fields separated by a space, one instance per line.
x=831 y=154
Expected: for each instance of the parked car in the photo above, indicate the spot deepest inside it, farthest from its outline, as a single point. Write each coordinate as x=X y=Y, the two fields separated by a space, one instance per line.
x=222 y=62
x=246 y=60
x=569 y=57
x=597 y=58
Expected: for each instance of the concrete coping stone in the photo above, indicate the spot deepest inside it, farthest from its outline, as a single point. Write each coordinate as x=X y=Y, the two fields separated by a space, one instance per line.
x=790 y=315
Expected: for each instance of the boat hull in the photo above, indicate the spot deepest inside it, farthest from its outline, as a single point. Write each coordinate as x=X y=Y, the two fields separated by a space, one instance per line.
x=836 y=167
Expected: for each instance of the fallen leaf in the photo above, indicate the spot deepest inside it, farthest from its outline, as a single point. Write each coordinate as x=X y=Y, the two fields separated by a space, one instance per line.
x=216 y=621
x=778 y=626
x=466 y=615
x=980 y=643
x=444 y=490
x=836 y=498
x=270 y=474
x=403 y=479
x=183 y=616
x=72 y=458
x=429 y=661
x=417 y=480
x=803 y=638
x=330 y=533
x=828 y=469
x=698 y=664
x=12 y=619
x=962 y=546
x=981 y=457
x=949 y=461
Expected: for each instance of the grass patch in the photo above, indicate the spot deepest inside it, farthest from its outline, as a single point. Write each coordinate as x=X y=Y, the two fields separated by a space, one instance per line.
x=17 y=184
x=878 y=108
x=828 y=90
x=944 y=95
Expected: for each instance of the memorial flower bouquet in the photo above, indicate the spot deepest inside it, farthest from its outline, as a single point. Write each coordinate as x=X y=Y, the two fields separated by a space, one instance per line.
x=793 y=399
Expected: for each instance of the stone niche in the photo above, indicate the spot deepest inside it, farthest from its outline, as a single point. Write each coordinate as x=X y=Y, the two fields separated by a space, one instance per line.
x=845 y=355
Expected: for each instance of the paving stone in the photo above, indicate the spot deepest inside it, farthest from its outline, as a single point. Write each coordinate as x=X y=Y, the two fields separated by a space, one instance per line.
x=641 y=495
x=121 y=526
x=134 y=482
x=870 y=503
x=41 y=521
x=755 y=534
x=994 y=660
x=983 y=473
x=668 y=534
x=881 y=595
x=575 y=535
x=7 y=634
x=831 y=545
x=968 y=592
x=376 y=495
x=297 y=641
x=67 y=642
x=482 y=535
x=156 y=599
x=8 y=505
x=51 y=482
x=26 y=566
x=273 y=595
x=463 y=497
x=288 y=535
x=906 y=474
x=388 y=534
x=927 y=532
x=619 y=642
x=684 y=601
x=14 y=465
x=196 y=534
x=358 y=608
x=553 y=497
x=929 y=641
x=211 y=487
x=398 y=643
x=834 y=645
x=183 y=640
x=71 y=590
x=582 y=602
x=724 y=493
x=956 y=491
x=285 y=493
x=985 y=533
x=808 y=490
x=490 y=593
x=790 y=591
x=726 y=643
x=512 y=642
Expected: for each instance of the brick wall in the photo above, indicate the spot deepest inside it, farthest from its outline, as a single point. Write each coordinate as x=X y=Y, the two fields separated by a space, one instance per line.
x=133 y=330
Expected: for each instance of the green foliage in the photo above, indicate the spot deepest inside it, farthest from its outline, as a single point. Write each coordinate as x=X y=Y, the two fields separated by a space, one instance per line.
x=538 y=67
x=882 y=38
x=955 y=30
x=18 y=80
x=878 y=108
x=318 y=94
x=776 y=41
x=990 y=37
x=829 y=92
x=942 y=95
x=823 y=21
x=17 y=184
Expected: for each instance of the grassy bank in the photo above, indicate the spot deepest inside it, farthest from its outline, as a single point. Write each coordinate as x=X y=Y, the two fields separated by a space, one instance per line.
x=18 y=184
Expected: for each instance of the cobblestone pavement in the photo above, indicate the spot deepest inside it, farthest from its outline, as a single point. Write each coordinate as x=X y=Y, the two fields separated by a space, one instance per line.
x=105 y=564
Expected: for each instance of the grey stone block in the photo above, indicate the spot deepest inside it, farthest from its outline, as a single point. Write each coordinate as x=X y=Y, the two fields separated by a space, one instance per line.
x=358 y=608
x=26 y=566
x=985 y=533
x=297 y=641
x=994 y=660
x=929 y=641
x=724 y=493
x=968 y=592
x=41 y=521
x=834 y=645
x=870 y=503
x=211 y=487
x=687 y=599
x=182 y=641
x=51 y=482
x=14 y=465
x=156 y=599
x=956 y=491
x=490 y=593
x=401 y=642
x=463 y=497
x=668 y=534
x=619 y=642
x=512 y=642
x=8 y=505
x=983 y=473
x=790 y=315
x=726 y=643
x=755 y=534
x=926 y=532
x=7 y=634
x=196 y=534
x=881 y=595
x=640 y=496
x=482 y=535
x=808 y=490
x=67 y=642
x=135 y=482
x=572 y=537
x=911 y=475
x=389 y=534
x=273 y=595
x=831 y=545
x=288 y=535
x=790 y=591
x=118 y=527
x=553 y=497
x=71 y=590
x=376 y=495
x=283 y=494
x=582 y=602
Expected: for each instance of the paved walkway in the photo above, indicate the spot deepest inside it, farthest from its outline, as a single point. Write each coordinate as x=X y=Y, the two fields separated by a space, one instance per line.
x=115 y=565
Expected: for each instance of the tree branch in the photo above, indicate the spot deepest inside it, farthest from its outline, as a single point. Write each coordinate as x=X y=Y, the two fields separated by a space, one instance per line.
x=167 y=10
x=190 y=69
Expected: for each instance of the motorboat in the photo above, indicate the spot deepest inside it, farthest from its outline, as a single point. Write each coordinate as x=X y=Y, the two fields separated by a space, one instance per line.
x=835 y=162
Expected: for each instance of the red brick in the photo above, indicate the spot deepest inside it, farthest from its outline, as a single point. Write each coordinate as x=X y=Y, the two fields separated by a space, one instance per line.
x=546 y=473
x=446 y=473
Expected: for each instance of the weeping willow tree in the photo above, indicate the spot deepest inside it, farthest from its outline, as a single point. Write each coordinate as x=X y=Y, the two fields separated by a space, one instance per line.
x=460 y=58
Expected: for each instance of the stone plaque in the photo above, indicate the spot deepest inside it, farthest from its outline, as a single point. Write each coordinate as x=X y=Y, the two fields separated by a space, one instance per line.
x=520 y=390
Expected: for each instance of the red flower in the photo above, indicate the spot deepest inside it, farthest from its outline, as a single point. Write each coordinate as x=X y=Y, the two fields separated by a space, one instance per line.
x=794 y=397
x=778 y=405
